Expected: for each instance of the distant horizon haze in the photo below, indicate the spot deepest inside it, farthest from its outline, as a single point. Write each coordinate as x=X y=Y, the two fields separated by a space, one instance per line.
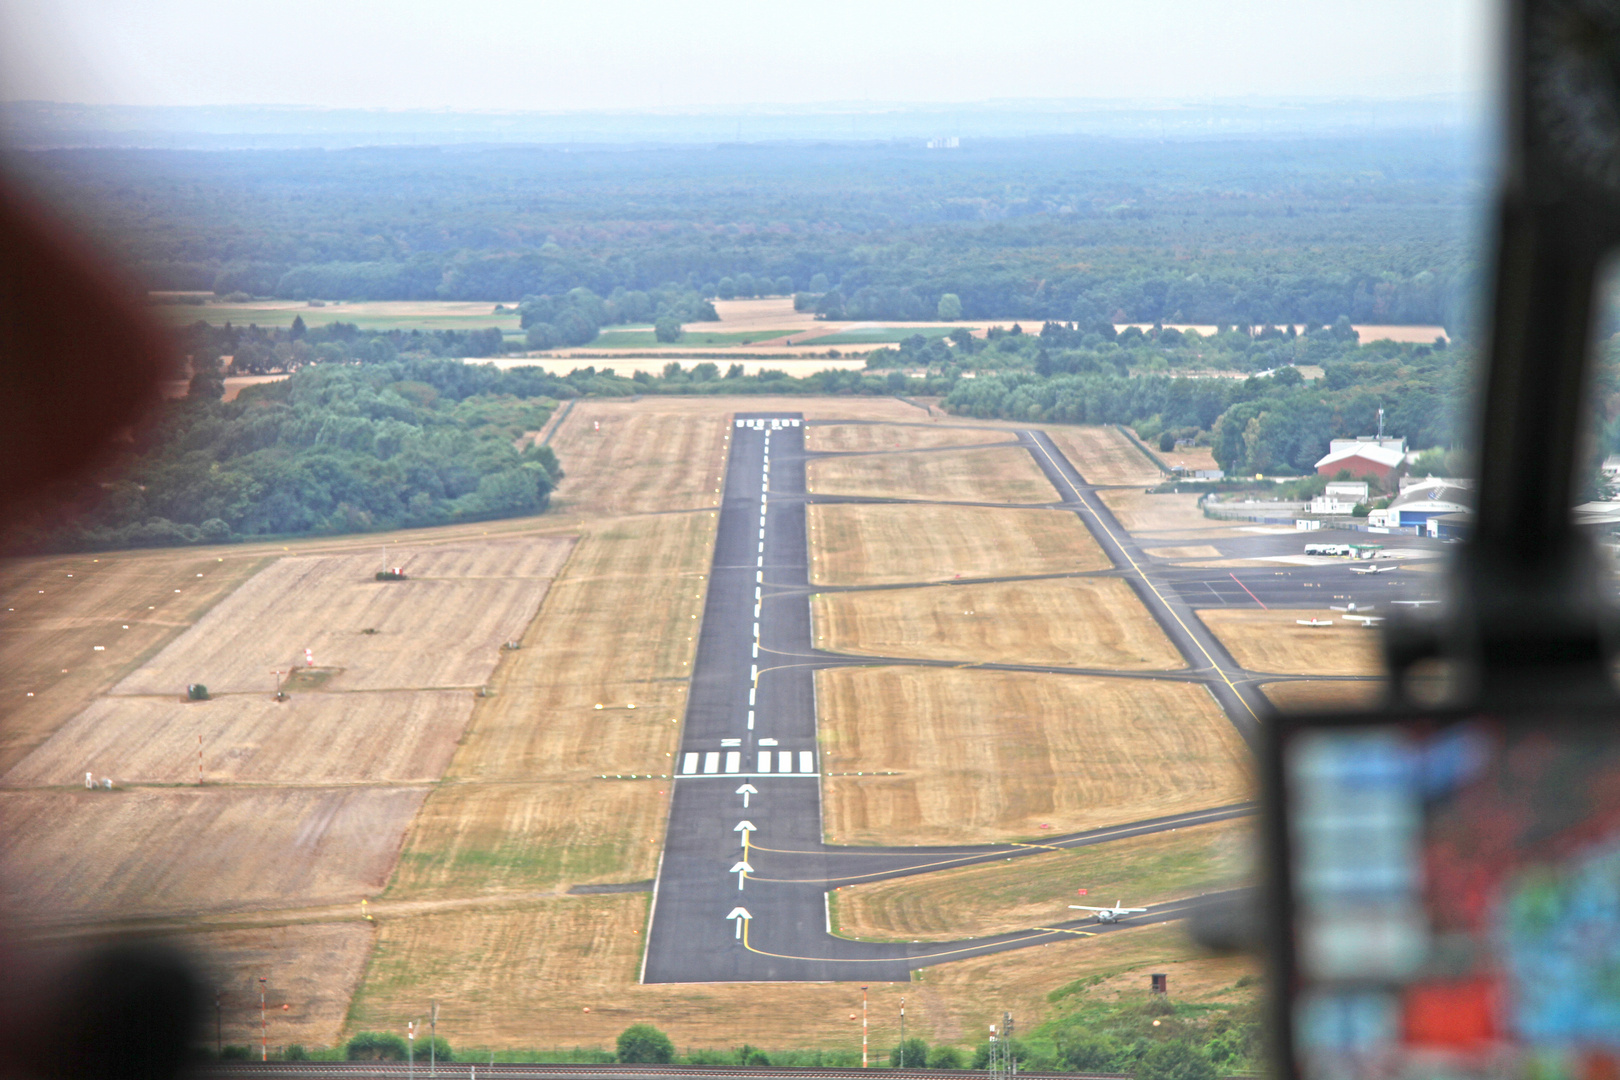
x=484 y=55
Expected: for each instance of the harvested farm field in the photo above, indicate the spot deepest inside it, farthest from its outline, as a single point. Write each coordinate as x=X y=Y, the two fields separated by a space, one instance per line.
x=315 y=738
x=994 y=475
x=1066 y=622
x=1103 y=455
x=895 y=543
x=55 y=611
x=977 y=758
x=95 y=855
x=1005 y=897
x=313 y=970
x=1274 y=641
x=823 y=438
x=441 y=628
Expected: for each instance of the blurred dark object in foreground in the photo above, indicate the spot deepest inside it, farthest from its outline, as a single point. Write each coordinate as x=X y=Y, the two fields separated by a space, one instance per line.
x=80 y=365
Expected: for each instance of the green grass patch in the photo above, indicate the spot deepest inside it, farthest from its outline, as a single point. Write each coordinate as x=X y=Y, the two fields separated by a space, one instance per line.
x=881 y=335
x=365 y=316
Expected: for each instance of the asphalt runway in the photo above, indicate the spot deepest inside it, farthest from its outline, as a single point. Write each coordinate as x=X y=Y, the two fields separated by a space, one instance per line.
x=741 y=892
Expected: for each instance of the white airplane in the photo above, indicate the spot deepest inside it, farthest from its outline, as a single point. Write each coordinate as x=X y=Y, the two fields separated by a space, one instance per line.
x=1314 y=622
x=1351 y=607
x=1373 y=569
x=1414 y=603
x=1367 y=621
x=1109 y=914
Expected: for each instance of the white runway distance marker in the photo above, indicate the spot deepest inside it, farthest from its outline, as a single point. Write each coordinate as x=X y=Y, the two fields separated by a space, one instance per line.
x=739 y=914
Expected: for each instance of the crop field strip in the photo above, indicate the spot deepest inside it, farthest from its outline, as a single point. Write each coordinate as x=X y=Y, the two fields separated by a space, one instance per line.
x=1274 y=642
x=993 y=475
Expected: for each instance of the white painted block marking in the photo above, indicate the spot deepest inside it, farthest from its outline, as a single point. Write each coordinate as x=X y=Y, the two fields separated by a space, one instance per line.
x=711 y=761
x=689 y=765
x=733 y=761
x=784 y=761
x=807 y=761
x=750 y=719
x=765 y=761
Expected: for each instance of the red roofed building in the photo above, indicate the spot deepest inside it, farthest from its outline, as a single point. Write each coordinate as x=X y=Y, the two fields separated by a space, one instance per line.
x=1363 y=457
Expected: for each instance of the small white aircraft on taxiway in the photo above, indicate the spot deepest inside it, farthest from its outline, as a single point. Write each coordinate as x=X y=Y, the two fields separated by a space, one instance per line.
x=1109 y=914
x=1352 y=607
x=1367 y=621
x=1373 y=569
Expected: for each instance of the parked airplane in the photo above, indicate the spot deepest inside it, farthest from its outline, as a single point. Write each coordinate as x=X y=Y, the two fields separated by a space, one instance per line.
x=1352 y=607
x=1415 y=603
x=1367 y=621
x=1314 y=622
x=1373 y=569
x=1109 y=914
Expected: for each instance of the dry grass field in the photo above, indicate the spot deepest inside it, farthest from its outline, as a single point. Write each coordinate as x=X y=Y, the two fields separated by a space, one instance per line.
x=54 y=611
x=1191 y=458
x=562 y=973
x=1165 y=517
x=313 y=738
x=521 y=807
x=1315 y=696
x=646 y=457
x=94 y=855
x=868 y=437
x=1067 y=622
x=1104 y=456
x=996 y=475
x=893 y=543
x=441 y=628
x=1273 y=641
x=979 y=757
x=1004 y=897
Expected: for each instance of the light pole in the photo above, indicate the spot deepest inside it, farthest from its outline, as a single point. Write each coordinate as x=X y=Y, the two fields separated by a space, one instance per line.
x=433 y=1042
x=410 y=1047
x=902 y=1031
x=863 y=1028
x=264 y=1029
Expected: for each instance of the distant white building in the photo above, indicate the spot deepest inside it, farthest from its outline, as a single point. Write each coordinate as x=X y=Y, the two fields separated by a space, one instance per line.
x=1340 y=497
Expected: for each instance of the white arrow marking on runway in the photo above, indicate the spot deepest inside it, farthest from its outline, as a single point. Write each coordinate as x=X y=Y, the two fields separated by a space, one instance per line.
x=745 y=826
x=745 y=791
x=742 y=870
x=739 y=914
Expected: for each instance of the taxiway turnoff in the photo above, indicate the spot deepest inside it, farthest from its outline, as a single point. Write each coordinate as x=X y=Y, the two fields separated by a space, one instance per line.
x=741 y=892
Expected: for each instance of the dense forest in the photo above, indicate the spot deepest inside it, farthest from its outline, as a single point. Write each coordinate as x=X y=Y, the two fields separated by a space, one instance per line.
x=1238 y=231
x=334 y=448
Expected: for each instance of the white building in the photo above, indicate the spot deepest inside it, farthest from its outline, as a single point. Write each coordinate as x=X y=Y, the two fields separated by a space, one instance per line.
x=1431 y=498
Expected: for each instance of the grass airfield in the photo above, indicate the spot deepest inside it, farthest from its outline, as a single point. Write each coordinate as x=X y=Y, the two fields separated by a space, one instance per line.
x=475 y=827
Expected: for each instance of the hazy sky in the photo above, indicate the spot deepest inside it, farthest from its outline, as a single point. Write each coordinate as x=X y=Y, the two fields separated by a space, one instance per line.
x=613 y=54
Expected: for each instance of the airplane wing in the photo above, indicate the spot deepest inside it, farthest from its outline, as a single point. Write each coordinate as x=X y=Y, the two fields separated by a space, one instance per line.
x=1131 y=910
x=1082 y=907
x=1415 y=603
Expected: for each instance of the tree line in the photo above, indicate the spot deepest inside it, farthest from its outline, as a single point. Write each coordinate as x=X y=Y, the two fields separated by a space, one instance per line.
x=1082 y=230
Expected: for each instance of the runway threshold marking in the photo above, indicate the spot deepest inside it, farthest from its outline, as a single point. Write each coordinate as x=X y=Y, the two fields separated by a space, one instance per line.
x=1145 y=580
